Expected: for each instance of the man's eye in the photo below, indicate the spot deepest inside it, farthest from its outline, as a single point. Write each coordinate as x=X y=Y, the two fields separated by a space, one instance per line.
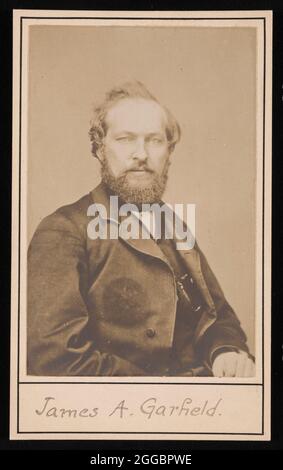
x=156 y=140
x=125 y=138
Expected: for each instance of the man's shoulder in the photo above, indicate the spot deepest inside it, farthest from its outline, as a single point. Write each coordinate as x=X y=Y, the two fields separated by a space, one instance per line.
x=75 y=211
x=71 y=218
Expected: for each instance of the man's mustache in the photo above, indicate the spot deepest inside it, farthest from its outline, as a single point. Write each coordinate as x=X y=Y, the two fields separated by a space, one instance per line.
x=139 y=168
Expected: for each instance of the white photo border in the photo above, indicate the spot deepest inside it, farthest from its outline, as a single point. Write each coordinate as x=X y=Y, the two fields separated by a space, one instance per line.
x=22 y=20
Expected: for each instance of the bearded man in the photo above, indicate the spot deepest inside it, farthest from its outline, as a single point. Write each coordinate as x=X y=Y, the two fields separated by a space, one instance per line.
x=127 y=306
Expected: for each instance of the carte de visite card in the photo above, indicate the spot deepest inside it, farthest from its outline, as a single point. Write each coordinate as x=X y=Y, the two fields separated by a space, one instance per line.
x=141 y=225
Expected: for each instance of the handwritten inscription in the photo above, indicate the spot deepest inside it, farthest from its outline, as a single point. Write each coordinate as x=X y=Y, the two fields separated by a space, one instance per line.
x=148 y=408
x=50 y=410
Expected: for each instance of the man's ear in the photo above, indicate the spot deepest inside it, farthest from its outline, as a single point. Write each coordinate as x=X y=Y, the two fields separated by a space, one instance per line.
x=99 y=154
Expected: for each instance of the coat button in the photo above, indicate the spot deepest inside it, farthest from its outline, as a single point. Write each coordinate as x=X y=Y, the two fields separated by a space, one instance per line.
x=150 y=332
x=197 y=309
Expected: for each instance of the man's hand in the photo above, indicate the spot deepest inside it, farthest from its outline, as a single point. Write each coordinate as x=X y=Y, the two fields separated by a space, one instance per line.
x=233 y=364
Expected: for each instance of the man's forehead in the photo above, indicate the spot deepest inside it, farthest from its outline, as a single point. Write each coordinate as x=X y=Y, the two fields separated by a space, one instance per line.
x=136 y=114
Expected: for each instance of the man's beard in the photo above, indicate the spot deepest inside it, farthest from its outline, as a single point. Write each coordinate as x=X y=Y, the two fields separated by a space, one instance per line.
x=146 y=194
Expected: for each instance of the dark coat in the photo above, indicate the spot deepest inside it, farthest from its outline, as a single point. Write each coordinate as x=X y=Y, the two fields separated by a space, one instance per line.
x=108 y=307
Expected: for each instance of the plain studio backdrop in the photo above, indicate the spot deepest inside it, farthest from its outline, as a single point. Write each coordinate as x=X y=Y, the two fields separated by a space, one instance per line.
x=207 y=77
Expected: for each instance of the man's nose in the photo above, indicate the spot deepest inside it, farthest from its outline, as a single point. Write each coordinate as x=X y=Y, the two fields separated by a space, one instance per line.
x=140 y=152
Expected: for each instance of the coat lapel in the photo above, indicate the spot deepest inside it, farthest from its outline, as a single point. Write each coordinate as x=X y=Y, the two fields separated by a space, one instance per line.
x=100 y=195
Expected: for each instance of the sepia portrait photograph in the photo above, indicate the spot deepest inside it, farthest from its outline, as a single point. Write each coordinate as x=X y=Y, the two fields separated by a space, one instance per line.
x=141 y=225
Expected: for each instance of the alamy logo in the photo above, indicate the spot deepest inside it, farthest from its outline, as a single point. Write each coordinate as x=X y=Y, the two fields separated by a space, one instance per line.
x=151 y=220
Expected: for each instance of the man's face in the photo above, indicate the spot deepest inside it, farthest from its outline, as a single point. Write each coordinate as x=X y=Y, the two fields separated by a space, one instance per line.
x=135 y=154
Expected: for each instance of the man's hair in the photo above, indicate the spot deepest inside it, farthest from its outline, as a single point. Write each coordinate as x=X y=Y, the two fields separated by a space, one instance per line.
x=133 y=89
